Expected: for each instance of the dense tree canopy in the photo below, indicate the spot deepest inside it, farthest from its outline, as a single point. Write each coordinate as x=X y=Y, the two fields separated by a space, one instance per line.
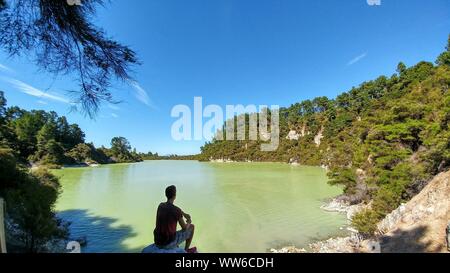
x=45 y=140
x=30 y=196
x=382 y=141
x=121 y=150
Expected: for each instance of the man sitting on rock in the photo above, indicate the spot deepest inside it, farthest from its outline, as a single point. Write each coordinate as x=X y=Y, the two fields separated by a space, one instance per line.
x=167 y=219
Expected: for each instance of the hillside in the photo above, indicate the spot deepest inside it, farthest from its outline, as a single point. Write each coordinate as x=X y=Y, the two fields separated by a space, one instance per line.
x=382 y=141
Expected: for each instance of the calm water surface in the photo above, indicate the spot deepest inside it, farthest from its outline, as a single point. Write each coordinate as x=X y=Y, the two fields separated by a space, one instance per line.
x=237 y=207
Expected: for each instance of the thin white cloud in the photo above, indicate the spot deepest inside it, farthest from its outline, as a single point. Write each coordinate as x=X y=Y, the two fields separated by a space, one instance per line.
x=4 y=68
x=114 y=115
x=42 y=102
x=113 y=107
x=141 y=95
x=32 y=91
x=357 y=59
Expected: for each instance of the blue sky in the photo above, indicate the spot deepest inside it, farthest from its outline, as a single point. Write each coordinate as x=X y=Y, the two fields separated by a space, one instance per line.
x=235 y=52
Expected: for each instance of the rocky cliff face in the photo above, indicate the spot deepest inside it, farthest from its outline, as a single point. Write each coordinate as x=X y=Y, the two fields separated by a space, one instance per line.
x=419 y=225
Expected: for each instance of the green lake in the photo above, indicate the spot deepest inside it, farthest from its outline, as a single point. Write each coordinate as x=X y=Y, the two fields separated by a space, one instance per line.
x=236 y=207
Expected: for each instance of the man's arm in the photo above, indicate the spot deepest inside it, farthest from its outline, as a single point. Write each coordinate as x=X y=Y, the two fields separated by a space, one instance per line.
x=187 y=216
x=183 y=224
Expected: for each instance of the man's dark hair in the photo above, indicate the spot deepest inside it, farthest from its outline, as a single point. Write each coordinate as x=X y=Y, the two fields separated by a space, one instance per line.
x=171 y=192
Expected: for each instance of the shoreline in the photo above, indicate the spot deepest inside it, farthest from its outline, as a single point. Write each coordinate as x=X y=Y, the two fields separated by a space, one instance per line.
x=336 y=221
x=420 y=225
x=334 y=244
x=79 y=166
x=294 y=164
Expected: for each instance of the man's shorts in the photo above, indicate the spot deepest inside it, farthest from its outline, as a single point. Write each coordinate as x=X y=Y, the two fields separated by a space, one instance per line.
x=180 y=237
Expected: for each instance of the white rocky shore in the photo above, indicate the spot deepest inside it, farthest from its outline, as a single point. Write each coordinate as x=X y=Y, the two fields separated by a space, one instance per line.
x=289 y=249
x=221 y=160
x=338 y=205
x=421 y=225
x=351 y=244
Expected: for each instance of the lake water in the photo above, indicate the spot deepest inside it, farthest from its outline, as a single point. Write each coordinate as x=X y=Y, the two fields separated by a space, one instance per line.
x=236 y=207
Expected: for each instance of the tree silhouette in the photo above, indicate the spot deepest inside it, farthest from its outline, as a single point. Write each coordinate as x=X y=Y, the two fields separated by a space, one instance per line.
x=61 y=39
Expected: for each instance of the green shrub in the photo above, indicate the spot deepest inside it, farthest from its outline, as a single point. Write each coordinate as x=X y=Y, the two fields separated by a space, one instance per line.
x=366 y=221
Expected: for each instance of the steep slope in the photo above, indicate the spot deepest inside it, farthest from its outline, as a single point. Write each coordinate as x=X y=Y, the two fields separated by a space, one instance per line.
x=420 y=225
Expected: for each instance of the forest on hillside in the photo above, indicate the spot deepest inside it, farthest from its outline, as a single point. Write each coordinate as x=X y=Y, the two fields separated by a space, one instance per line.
x=382 y=141
x=43 y=140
